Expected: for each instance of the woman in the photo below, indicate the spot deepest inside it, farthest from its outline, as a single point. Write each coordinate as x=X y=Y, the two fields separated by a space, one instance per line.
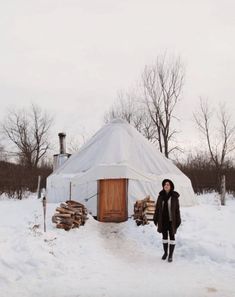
x=167 y=216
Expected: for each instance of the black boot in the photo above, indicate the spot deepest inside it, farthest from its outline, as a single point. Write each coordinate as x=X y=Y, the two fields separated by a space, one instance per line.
x=170 y=258
x=165 y=248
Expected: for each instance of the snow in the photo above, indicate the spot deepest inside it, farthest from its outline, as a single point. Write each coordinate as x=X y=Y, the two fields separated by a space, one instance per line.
x=107 y=259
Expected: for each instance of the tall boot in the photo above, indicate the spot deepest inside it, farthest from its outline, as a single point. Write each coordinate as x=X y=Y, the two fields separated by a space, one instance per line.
x=172 y=247
x=165 y=248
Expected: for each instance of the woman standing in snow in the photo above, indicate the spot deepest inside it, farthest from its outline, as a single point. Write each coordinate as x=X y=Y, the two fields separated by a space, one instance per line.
x=167 y=216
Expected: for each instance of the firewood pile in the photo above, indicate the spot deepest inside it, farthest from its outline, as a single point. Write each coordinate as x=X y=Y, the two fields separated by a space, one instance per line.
x=144 y=211
x=70 y=214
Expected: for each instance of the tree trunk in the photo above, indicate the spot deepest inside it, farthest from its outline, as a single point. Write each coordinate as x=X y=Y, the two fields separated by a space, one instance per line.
x=223 y=190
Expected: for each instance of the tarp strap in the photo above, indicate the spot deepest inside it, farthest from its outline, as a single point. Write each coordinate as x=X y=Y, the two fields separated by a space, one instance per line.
x=86 y=199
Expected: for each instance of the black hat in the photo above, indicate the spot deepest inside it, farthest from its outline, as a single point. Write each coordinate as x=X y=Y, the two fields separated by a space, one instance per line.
x=170 y=182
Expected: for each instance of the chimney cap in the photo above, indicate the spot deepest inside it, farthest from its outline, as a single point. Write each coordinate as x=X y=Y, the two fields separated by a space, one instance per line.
x=61 y=134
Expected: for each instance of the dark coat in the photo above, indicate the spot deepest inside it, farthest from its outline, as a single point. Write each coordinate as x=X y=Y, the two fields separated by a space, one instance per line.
x=175 y=211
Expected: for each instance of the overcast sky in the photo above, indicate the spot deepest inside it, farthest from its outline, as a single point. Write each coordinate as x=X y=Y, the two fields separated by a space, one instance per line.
x=72 y=57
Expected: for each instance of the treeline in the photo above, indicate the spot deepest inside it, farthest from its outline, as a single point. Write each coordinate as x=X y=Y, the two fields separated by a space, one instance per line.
x=204 y=175
x=16 y=179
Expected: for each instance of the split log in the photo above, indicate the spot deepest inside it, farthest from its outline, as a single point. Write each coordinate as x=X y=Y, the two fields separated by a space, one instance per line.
x=70 y=214
x=62 y=215
x=144 y=211
x=65 y=210
x=63 y=226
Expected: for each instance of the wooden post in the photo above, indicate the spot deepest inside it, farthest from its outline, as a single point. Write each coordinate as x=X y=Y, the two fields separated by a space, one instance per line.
x=70 y=190
x=44 y=202
x=38 y=189
x=223 y=190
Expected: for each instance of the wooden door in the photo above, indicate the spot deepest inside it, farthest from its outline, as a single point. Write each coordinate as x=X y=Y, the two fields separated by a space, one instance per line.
x=112 y=200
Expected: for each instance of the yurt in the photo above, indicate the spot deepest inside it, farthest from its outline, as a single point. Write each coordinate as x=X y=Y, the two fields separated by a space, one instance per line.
x=112 y=170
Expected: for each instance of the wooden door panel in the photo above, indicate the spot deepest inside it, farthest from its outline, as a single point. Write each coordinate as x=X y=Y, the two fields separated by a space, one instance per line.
x=112 y=204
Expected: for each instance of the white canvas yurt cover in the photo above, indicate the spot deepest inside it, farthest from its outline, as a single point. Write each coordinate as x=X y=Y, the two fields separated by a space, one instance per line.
x=116 y=151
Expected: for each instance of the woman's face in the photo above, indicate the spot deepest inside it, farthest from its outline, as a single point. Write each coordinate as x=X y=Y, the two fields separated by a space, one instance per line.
x=167 y=187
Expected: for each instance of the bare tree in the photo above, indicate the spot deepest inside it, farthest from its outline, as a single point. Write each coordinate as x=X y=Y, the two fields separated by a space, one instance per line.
x=220 y=141
x=131 y=109
x=76 y=142
x=28 y=130
x=124 y=108
x=162 y=85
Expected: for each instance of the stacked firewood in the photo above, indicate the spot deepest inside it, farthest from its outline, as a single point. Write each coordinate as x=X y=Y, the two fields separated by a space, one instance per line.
x=144 y=211
x=70 y=214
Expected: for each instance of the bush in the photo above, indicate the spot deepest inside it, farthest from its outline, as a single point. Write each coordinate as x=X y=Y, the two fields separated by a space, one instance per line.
x=16 y=179
x=203 y=174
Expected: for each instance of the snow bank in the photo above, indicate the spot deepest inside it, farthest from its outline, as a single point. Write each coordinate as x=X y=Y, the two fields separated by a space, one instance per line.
x=105 y=259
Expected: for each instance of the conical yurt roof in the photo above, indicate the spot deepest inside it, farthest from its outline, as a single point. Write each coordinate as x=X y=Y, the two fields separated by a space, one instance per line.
x=118 y=150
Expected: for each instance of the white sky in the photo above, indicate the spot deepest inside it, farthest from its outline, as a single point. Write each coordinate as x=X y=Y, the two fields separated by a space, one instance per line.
x=72 y=56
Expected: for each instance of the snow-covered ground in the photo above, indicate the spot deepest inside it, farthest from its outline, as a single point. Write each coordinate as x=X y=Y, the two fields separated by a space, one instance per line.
x=104 y=259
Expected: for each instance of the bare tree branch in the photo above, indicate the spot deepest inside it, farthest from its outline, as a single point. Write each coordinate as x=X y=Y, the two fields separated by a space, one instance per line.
x=28 y=130
x=162 y=84
x=128 y=108
x=220 y=145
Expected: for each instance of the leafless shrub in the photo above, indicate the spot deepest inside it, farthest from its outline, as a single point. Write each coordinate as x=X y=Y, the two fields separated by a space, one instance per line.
x=16 y=180
x=219 y=138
